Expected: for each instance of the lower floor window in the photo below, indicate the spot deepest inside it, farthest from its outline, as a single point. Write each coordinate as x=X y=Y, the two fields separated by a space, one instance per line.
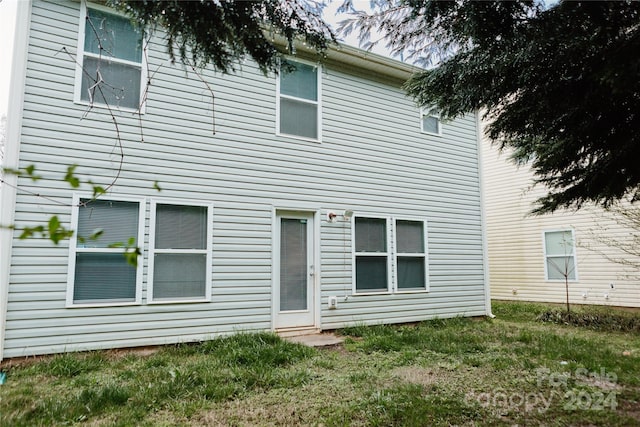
x=390 y=255
x=179 y=251
x=179 y=256
x=98 y=271
x=559 y=247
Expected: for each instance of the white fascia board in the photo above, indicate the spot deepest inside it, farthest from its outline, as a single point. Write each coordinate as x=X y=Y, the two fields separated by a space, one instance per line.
x=11 y=155
x=356 y=57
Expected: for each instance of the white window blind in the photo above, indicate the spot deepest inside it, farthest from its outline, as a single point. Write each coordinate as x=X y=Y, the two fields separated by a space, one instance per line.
x=102 y=273
x=179 y=256
x=293 y=264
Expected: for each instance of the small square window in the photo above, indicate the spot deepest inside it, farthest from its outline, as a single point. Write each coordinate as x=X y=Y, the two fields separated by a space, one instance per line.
x=430 y=121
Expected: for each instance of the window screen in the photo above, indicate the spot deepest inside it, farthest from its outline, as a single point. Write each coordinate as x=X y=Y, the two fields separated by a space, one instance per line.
x=299 y=101
x=112 y=60
x=117 y=220
x=300 y=83
x=371 y=235
x=102 y=273
x=180 y=252
x=371 y=255
x=293 y=264
x=410 y=255
x=430 y=121
x=560 y=255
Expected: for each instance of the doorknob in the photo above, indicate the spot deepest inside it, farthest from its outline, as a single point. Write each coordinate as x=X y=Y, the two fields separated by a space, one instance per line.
x=311 y=271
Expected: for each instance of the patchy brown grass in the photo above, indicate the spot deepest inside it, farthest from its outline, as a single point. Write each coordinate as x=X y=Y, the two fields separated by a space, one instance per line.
x=445 y=372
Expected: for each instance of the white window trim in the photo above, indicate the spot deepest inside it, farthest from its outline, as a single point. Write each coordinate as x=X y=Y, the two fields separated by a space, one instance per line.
x=428 y=111
x=73 y=250
x=573 y=254
x=424 y=255
x=388 y=254
x=153 y=250
x=77 y=95
x=318 y=103
x=391 y=254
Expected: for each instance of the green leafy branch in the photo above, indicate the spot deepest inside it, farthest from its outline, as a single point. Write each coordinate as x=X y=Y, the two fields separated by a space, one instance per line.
x=53 y=231
x=131 y=250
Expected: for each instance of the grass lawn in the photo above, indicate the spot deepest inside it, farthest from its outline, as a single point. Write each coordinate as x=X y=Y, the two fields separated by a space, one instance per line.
x=504 y=371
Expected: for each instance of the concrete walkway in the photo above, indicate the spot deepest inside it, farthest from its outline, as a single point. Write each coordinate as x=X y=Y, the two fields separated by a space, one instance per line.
x=317 y=340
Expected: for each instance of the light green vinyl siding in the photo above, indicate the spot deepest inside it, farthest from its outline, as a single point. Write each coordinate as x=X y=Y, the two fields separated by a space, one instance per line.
x=372 y=159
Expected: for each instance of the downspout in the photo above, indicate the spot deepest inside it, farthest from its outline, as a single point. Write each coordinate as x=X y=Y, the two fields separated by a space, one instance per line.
x=11 y=155
x=483 y=222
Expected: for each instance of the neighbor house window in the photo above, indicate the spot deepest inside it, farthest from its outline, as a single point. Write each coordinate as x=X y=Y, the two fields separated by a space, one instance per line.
x=299 y=101
x=410 y=255
x=371 y=255
x=180 y=252
x=98 y=270
x=559 y=249
x=430 y=121
x=110 y=51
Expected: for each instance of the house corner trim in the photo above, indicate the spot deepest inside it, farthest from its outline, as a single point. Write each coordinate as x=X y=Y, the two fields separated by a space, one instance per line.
x=483 y=219
x=12 y=150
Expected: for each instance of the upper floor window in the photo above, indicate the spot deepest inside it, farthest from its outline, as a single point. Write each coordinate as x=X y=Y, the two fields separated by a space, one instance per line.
x=430 y=121
x=559 y=250
x=299 y=101
x=110 y=50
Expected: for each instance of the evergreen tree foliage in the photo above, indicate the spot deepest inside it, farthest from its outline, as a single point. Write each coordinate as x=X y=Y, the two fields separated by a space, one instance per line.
x=223 y=32
x=560 y=84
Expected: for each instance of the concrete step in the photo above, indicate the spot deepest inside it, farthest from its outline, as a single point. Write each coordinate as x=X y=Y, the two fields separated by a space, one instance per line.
x=316 y=340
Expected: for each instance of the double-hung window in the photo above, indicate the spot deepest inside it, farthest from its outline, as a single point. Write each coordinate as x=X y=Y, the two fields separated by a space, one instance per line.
x=430 y=121
x=410 y=255
x=110 y=51
x=390 y=255
x=98 y=271
x=371 y=255
x=180 y=252
x=299 y=112
x=560 y=258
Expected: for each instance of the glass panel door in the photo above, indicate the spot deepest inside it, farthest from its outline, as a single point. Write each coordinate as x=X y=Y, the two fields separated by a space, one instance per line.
x=293 y=264
x=294 y=284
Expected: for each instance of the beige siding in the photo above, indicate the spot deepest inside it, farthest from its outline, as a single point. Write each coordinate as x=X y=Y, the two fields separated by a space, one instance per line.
x=373 y=159
x=516 y=248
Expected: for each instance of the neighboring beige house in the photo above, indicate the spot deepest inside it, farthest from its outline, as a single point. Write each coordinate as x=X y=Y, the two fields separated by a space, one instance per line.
x=529 y=256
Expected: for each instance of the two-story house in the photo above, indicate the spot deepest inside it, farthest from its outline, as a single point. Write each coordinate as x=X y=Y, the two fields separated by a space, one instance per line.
x=297 y=202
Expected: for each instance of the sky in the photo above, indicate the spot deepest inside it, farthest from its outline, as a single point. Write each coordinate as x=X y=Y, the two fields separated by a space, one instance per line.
x=7 y=28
